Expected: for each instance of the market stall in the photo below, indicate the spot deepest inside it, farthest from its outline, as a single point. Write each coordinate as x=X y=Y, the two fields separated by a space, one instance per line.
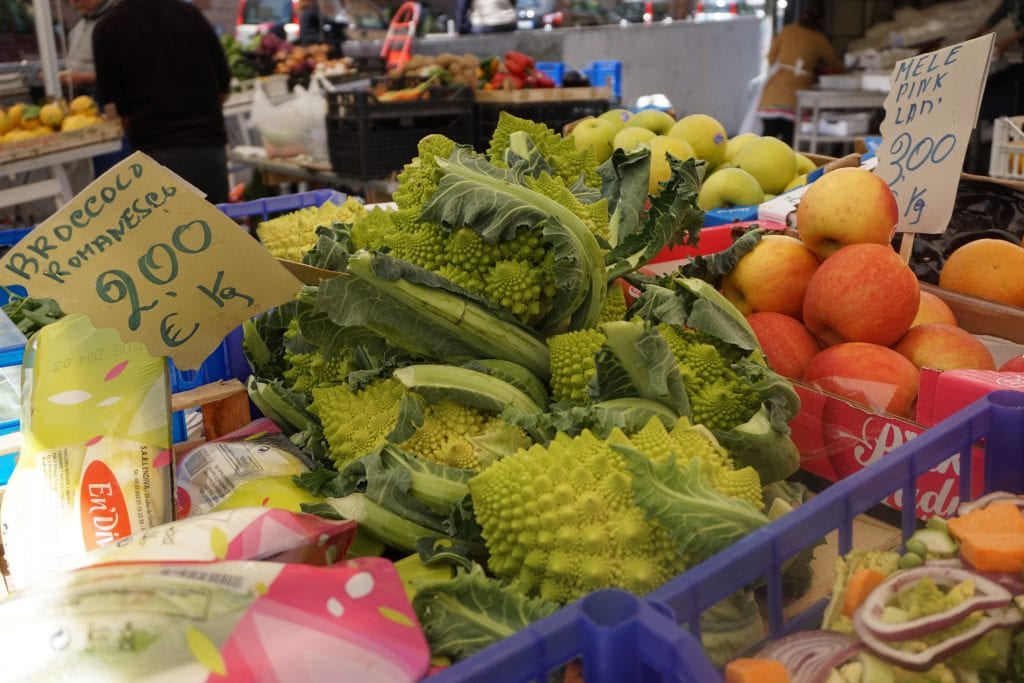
x=552 y=412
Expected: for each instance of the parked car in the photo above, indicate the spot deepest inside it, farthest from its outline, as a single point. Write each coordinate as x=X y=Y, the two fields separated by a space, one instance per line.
x=643 y=11
x=362 y=19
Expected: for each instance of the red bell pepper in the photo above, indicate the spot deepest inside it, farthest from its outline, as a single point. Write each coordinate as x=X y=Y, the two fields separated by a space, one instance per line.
x=518 y=64
x=500 y=77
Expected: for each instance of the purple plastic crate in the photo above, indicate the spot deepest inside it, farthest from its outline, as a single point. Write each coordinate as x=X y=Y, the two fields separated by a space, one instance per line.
x=619 y=637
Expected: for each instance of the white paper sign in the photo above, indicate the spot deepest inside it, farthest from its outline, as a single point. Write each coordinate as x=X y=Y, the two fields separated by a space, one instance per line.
x=930 y=112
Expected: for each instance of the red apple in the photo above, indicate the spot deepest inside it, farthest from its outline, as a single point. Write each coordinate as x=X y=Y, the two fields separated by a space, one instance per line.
x=944 y=347
x=787 y=344
x=933 y=310
x=772 y=276
x=1013 y=365
x=846 y=206
x=866 y=373
x=864 y=293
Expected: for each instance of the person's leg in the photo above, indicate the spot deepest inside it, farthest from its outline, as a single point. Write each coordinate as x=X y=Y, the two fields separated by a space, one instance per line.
x=204 y=167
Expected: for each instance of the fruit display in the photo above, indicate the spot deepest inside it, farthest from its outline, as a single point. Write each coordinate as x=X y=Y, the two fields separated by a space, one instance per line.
x=947 y=607
x=22 y=121
x=448 y=67
x=859 y=325
x=266 y=54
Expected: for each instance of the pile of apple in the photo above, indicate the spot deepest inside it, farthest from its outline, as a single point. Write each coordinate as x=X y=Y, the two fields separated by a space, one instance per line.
x=839 y=309
x=743 y=171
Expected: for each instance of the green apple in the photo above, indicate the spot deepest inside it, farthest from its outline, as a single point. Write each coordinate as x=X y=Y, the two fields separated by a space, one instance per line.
x=653 y=120
x=631 y=137
x=616 y=117
x=804 y=165
x=735 y=144
x=705 y=134
x=770 y=160
x=661 y=145
x=729 y=187
x=595 y=134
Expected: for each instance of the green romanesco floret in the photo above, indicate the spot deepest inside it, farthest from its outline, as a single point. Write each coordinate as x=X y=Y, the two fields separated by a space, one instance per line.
x=423 y=246
x=420 y=177
x=594 y=215
x=356 y=422
x=719 y=398
x=291 y=235
x=743 y=483
x=562 y=522
x=515 y=286
x=698 y=442
x=456 y=435
x=375 y=230
x=572 y=364
x=466 y=249
x=567 y=162
x=308 y=371
x=614 y=306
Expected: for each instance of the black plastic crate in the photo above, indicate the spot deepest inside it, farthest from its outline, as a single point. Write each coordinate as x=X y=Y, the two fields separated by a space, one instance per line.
x=369 y=138
x=555 y=114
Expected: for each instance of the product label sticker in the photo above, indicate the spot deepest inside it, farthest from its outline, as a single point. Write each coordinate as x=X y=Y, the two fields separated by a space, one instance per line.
x=140 y=251
x=930 y=111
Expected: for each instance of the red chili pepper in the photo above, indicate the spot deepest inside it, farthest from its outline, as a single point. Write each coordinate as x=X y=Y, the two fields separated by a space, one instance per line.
x=542 y=80
x=518 y=64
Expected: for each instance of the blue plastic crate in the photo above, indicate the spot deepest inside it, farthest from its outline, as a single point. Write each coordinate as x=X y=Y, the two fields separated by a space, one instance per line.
x=605 y=73
x=554 y=70
x=286 y=202
x=618 y=640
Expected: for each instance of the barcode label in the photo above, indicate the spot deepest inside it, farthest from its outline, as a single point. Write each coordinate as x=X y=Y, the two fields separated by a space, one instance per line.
x=216 y=578
x=196 y=461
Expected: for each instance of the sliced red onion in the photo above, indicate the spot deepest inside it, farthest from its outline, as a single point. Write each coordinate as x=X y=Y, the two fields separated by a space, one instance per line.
x=987 y=595
x=809 y=656
x=983 y=501
x=929 y=657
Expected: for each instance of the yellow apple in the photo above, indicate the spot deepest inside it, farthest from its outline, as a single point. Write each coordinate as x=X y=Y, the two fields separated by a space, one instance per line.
x=804 y=165
x=662 y=145
x=705 y=134
x=735 y=144
x=729 y=187
x=796 y=182
x=770 y=160
x=595 y=134
x=846 y=206
x=617 y=117
x=652 y=119
x=631 y=137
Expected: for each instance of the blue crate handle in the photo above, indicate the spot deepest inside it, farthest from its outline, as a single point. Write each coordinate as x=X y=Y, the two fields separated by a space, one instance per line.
x=672 y=654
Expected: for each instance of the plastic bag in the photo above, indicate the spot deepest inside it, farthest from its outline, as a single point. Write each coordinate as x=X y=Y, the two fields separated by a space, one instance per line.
x=225 y=621
x=95 y=464
x=296 y=126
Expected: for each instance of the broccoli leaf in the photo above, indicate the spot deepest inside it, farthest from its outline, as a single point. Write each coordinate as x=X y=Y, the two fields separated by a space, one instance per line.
x=523 y=156
x=714 y=267
x=673 y=217
x=730 y=627
x=496 y=202
x=699 y=519
x=636 y=362
x=624 y=181
x=332 y=247
x=466 y=614
x=777 y=394
x=760 y=445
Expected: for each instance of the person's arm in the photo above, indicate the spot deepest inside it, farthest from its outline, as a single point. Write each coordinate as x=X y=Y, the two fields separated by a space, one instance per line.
x=77 y=79
x=1008 y=42
x=773 y=50
x=829 y=57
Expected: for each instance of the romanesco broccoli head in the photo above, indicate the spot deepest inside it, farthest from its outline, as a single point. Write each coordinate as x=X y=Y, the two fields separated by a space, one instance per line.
x=419 y=178
x=291 y=235
x=375 y=230
x=561 y=520
x=356 y=422
x=423 y=247
x=456 y=435
x=743 y=483
x=308 y=371
x=572 y=364
x=594 y=215
x=567 y=162
x=614 y=306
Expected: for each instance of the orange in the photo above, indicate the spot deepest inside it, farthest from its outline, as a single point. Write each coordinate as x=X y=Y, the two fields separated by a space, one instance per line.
x=990 y=269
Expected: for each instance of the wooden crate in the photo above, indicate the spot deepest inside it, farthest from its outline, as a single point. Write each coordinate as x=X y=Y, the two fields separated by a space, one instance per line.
x=58 y=142
x=529 y=95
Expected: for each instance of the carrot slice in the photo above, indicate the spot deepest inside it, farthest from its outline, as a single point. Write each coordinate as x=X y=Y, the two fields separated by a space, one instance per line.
x=751 y=670
x=859 y=587
x=991 y=538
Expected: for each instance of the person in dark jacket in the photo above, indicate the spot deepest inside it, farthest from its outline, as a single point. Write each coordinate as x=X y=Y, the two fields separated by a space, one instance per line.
x=161 y=66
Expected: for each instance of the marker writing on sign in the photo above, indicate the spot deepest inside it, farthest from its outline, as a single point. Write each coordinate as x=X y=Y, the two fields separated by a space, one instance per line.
x=160 y=266
x=37 y=257
x=918 y=84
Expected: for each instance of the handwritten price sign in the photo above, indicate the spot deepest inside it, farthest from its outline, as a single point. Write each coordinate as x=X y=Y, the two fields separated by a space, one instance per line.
x=929 y=114
x=140 y=251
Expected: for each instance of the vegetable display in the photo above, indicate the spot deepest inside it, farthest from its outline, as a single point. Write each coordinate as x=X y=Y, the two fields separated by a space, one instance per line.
x=932 y=618
x=469 y=379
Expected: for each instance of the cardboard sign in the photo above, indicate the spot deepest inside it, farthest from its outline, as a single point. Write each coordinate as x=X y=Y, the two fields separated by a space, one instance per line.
x=929 y=114
x=141 y=252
